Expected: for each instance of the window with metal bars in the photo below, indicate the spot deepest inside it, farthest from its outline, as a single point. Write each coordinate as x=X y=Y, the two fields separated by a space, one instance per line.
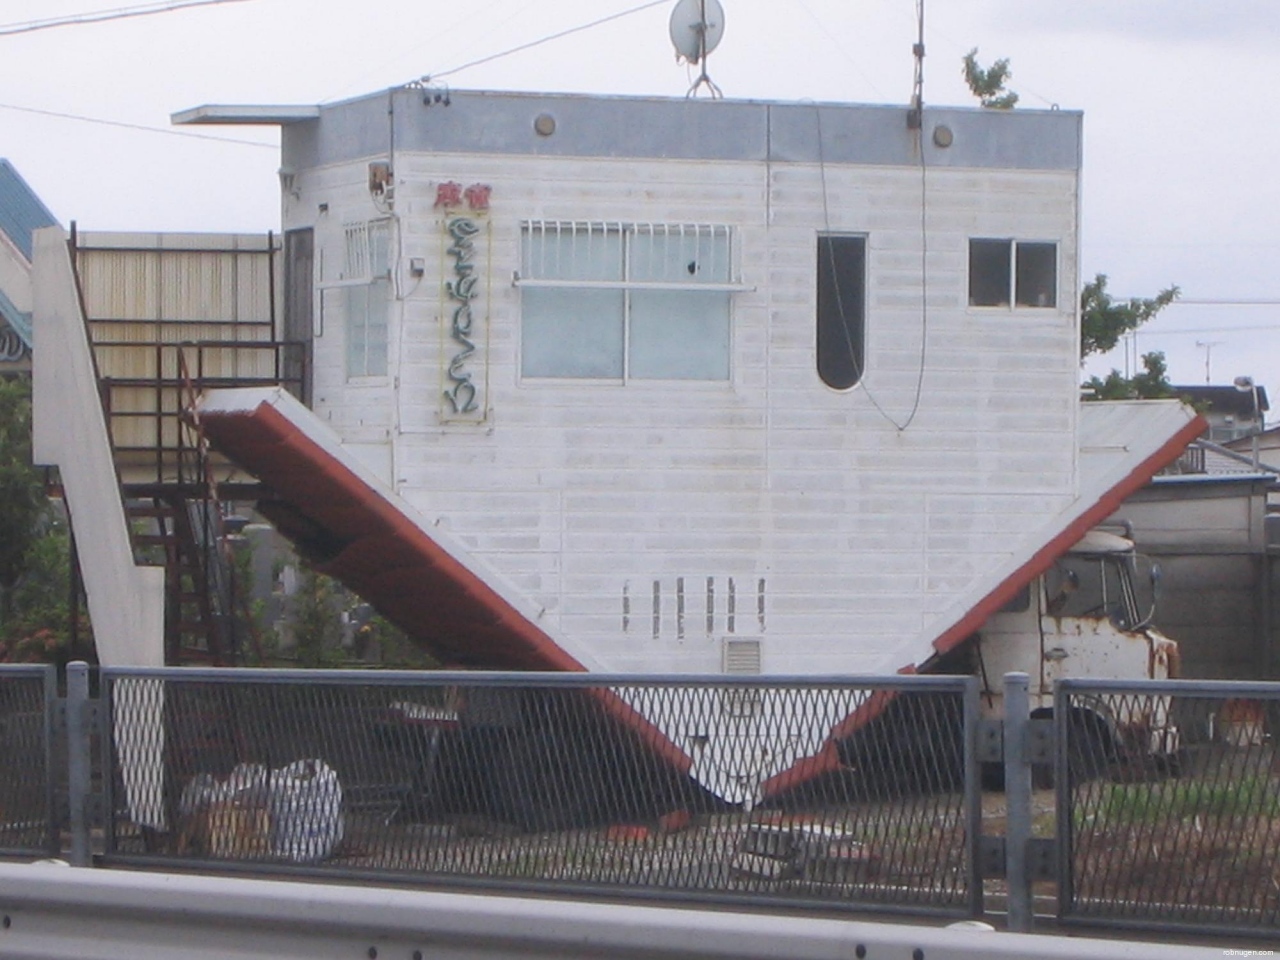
x=614 y=301
x=368 y=259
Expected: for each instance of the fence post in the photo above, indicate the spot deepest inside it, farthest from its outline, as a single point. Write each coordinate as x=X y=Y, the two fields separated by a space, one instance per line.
x=1017 y=795
x=78 y=772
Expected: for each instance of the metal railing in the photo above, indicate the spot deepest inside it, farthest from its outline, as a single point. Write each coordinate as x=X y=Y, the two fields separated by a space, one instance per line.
x=1156 y=835
x=54 y=913
x=569 y=783
x=28 y=767
x=1163 y=809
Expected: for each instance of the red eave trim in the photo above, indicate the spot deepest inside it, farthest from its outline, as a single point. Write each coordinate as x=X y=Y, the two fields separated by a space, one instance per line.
x=1043 y=558
x=827 y=759
x=269 y=445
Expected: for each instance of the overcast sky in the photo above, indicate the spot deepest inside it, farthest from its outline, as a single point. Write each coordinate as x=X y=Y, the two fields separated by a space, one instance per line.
x=1182 y=124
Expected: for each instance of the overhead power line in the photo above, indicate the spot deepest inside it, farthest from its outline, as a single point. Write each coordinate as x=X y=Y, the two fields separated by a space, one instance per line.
x=547 y=39
x=101 y=16
x=136 y=126
x=1227 y=302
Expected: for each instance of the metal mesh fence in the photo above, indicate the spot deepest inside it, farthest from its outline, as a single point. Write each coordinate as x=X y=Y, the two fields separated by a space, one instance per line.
x=1169 y=800
x=28 y=824
x=861 y=793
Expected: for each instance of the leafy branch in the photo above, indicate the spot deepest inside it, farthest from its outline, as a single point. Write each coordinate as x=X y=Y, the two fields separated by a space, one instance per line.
x=989 y=85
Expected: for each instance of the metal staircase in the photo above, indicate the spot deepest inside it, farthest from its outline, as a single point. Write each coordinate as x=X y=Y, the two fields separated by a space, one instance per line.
x=167 y=318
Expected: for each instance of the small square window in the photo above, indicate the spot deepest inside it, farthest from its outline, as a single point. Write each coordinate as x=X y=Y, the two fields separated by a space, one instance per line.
x=1004 y=272
x=989 y=272
x=1037 y=272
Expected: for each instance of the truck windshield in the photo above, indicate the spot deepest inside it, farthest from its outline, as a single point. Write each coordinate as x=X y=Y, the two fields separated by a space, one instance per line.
x=1092 y=586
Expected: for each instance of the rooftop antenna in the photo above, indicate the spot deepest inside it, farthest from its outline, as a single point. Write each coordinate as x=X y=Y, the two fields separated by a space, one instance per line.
x=696 y=29
x=915 y=115
x=1207 y=346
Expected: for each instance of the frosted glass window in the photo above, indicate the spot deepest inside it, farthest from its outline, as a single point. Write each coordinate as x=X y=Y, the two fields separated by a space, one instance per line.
x=572 y=333
x=679 y=255
x=679 y=336
x=367 y=258
x=572 y=251
x=619 y=302
x=367 y=307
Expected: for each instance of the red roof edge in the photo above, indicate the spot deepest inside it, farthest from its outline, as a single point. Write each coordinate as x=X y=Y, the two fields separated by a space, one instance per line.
x=1043 y=558
x=827 y=758
x=280 y=444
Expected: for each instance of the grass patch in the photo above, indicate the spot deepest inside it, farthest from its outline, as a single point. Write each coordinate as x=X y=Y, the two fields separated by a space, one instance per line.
x=1155 y=802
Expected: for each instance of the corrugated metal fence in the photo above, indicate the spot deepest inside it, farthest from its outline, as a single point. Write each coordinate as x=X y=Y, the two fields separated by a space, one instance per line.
x=1138 y=805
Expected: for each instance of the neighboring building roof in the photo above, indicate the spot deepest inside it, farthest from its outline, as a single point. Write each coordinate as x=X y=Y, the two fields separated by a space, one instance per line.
x=21 y=211
x=1228 y=400
x=18 y=321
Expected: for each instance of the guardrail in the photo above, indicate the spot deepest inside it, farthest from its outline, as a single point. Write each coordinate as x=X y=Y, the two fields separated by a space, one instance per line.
x=51 y=912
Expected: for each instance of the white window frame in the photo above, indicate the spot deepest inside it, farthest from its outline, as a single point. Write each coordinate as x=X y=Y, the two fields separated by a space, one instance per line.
x=1012 y=292
x=529 y=278
x=367 y=261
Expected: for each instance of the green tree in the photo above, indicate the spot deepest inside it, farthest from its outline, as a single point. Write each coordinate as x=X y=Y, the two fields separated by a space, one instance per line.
x=989 y=85
x=22 y=499
x=1103 y=321
x=1151 y=384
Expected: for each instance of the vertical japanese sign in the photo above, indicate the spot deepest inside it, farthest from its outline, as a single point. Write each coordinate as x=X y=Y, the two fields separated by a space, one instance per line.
x=464 y=321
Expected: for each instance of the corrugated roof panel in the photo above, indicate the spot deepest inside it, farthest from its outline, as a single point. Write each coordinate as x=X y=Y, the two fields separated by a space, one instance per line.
x=21 y=211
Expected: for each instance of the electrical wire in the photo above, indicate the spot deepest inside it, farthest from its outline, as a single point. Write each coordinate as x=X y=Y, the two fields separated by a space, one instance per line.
x=1211 y=302
x=547 y=39
x=924 y=226
x=835 y=42
x=844 y=321
x=1197 y=331
x=437 y=35
x=137 y=126
x=918 y=104
x=102 y=16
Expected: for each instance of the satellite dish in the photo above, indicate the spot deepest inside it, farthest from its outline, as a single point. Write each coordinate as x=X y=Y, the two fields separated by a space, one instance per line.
x=696 y=28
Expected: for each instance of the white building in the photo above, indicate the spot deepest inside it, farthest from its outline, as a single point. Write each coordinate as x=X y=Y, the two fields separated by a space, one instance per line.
x=679 y=385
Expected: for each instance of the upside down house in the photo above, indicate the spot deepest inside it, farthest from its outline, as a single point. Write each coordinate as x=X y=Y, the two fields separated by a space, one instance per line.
x=640 y=385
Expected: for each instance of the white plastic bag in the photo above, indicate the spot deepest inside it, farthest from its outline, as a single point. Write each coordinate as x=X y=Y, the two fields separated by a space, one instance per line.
x=305 y=803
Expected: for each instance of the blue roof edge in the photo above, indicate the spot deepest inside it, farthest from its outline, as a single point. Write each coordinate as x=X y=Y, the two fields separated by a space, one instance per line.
x=22 y=212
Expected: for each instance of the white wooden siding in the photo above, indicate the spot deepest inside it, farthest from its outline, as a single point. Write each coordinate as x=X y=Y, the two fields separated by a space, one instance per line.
x=856 y=533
